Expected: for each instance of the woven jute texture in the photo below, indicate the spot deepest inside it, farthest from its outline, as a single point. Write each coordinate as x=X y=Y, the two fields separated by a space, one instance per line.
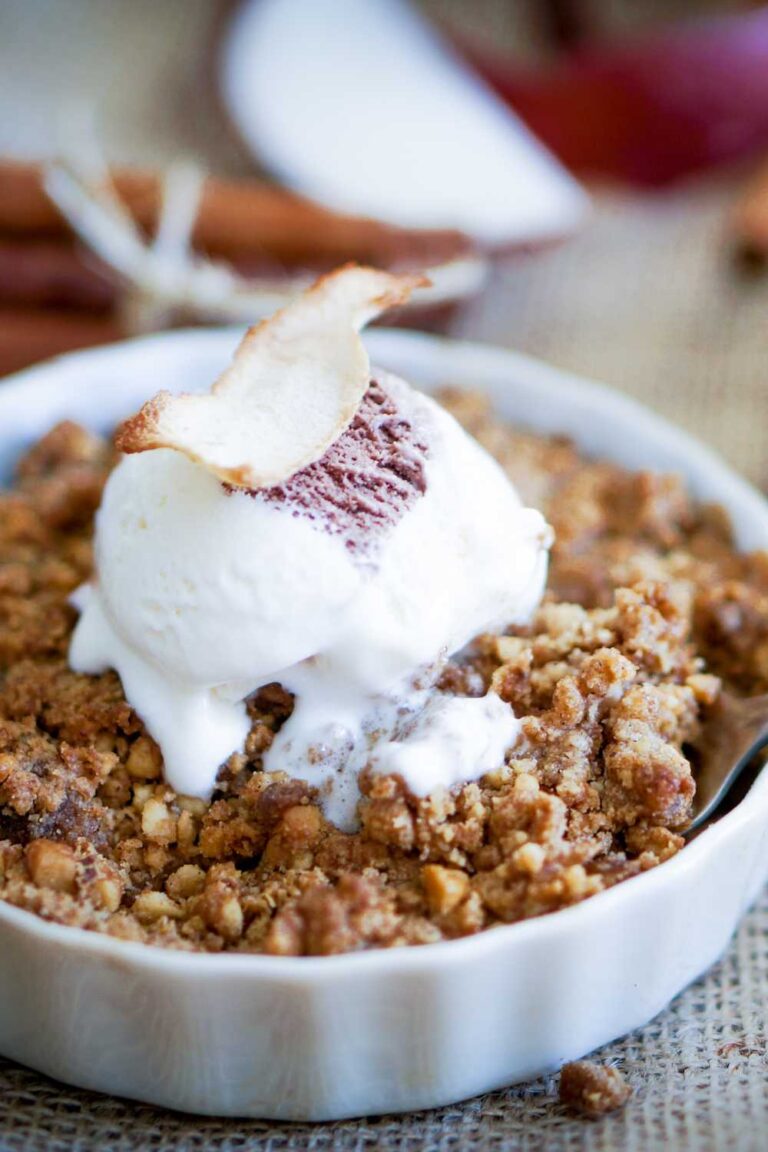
x=648 y=298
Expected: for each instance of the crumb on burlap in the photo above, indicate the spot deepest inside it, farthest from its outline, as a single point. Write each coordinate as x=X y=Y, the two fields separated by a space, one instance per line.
x=592 y=1089
x=648 y=607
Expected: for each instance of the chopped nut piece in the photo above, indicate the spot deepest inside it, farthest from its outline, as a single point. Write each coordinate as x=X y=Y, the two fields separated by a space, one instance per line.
x=222 y=912
x=157 y=822
x=592 y=1089
x=108 y=891
x=52 y=865
x=444 y=887
x=151 y=906
x=302 y=822
x=189 y=880
x=192 y=804
x=144 y=761
x=220 y=905
x=142 y=793
x=186 y=830
x=529 y=858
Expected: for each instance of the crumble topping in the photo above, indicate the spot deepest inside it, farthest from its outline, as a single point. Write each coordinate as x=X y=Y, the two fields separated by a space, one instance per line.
x=592 y=1089
x=649 y=608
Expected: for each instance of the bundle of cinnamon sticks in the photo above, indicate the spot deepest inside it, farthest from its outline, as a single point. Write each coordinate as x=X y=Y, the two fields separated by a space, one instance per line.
x=55 y=295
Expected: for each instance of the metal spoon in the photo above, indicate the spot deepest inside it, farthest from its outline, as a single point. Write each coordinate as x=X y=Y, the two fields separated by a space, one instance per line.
x=729 y=741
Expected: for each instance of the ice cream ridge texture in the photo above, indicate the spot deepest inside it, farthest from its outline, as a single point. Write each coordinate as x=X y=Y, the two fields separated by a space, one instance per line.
x=319 y=524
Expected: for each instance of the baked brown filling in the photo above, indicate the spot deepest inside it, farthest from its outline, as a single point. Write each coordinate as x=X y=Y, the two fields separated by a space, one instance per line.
x=648 y=609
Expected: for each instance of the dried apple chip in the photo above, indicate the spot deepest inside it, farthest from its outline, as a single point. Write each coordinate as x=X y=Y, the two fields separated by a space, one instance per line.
x=293 y=387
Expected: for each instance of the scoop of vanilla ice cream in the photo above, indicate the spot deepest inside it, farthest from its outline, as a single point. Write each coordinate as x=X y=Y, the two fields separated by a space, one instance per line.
x=205 y=593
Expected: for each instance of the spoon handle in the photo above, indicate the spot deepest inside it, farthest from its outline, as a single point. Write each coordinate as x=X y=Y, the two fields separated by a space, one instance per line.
x=728 y=752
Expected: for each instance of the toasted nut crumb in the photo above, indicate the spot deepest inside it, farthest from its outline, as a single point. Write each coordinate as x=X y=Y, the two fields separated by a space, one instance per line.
x=157 y=822
x=192 y=804
x=157 y=857
x=529 y=858
x=498 y=777
x=220 y=908
x=508 y=648
x=151 y=906
x=108 y=891
x=294 y=838
x=444 y=887
x=526 y=787
x=186 y=881
x=284 y=935
x=576 y=881
x=223 y=914
x=142 y=793
x=186 y=829
x=144 y=760
x=592 y=1089
x=124 y=927
x=302 y=822
x=229 y=920
x=705 y=687
x=105 y=742
x=51 y=865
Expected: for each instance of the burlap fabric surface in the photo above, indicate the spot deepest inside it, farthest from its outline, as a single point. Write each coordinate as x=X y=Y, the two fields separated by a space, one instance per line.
x=646 y=299
x=649 y=299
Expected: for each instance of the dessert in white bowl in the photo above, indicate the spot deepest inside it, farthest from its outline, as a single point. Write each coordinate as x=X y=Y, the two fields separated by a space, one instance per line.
x=389 y=1028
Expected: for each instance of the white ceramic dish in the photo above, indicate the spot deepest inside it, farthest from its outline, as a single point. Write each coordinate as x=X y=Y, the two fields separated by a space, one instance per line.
x=391 y=1030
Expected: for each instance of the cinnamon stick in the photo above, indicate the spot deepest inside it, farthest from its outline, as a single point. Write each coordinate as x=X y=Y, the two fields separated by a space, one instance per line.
x=58 y=273
x=53 y=273
x=55 y=296
x=28 y=335
x=237 y=218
